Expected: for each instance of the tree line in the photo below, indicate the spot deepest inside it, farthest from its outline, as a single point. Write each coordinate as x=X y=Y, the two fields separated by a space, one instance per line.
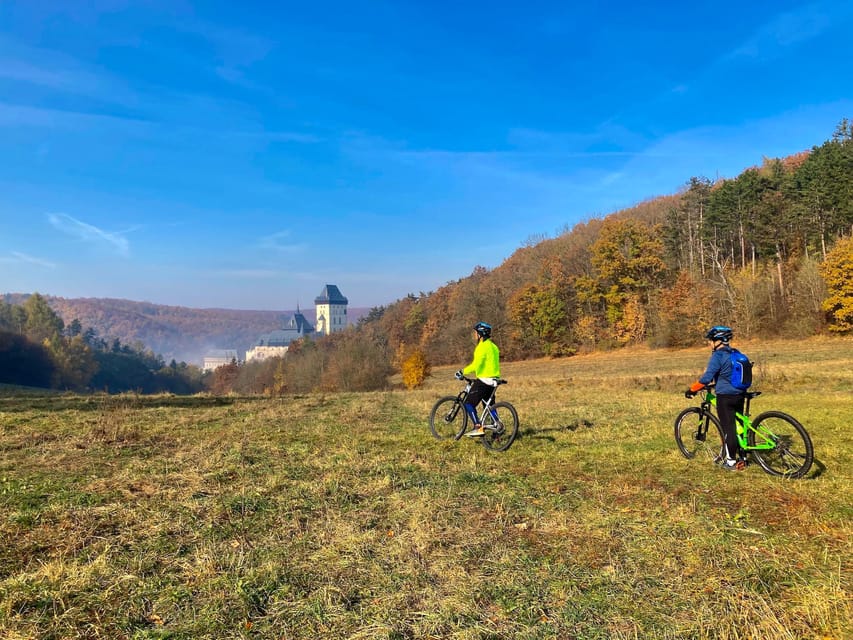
x=769 y=252
x=37 y=349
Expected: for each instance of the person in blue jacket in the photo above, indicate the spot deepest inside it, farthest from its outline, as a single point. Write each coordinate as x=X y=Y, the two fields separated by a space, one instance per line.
x=729 y=399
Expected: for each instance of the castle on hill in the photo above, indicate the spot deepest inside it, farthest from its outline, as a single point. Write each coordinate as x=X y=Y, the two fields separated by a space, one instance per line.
x=331 y=317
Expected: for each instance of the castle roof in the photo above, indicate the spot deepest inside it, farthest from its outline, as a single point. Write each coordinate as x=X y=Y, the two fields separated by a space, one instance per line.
x=292 y=329
x=330 y=295
x=278 y=338
x=221 y=354
x=299 y=323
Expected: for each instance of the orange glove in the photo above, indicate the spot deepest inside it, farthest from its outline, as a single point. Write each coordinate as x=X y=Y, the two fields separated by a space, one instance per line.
x=693 y=389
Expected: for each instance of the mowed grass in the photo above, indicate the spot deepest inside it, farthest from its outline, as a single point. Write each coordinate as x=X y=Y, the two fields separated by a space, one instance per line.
x=339 y=516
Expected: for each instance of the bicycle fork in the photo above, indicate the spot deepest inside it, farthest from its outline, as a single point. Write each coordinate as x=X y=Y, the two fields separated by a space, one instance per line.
x=451 y=415
x=702 y=430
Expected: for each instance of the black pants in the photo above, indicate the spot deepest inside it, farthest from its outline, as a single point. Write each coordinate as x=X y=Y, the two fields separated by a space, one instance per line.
x=727 y=405
x=480 y=392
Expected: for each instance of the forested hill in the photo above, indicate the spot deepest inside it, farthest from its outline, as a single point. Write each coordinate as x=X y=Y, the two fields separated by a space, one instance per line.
x=179 y=333
x=768 y=252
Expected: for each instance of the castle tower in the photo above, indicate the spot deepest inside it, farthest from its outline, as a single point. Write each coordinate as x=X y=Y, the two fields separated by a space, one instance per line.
x=331 y=310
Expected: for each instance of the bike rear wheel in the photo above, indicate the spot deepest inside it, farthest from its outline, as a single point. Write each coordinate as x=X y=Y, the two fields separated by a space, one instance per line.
x=792 y=453
x=448 y=418
x=698 y=433
x=501 y=427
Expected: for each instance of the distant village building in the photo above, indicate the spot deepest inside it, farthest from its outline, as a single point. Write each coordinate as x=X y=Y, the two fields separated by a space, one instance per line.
x=276 y=343
x=331 y=310
x=331 y=314
x=219 y=358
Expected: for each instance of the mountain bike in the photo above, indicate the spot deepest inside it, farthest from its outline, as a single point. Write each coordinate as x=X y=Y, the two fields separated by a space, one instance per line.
x=448 y=418
x=777 y=441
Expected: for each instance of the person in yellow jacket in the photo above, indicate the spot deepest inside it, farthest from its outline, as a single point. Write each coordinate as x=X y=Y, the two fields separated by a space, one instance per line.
x=486 y=366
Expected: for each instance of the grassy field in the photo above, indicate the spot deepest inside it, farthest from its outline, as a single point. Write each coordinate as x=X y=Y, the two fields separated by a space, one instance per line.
x=338 y=516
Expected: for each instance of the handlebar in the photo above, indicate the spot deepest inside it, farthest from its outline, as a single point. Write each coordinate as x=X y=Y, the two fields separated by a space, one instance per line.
x=709 y=389
x=459 y=376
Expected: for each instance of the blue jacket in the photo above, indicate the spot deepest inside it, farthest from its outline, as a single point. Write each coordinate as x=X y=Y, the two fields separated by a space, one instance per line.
x=720 y=371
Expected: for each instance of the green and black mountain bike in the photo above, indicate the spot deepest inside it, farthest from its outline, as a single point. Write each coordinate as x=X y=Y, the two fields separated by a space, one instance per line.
x=775 y=440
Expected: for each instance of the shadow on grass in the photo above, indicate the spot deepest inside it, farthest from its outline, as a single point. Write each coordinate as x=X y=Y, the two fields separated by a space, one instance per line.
x=542 y=432
x=99 y=403
x=818 y=469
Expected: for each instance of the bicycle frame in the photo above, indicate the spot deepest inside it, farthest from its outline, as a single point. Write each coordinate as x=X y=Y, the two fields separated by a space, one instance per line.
x=743 y=424
x=774 y=439
x=462 y=397
x=499 y=420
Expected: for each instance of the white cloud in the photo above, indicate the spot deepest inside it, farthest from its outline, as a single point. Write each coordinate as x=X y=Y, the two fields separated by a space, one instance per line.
x=13 y=115
x=783 y=31
x=89 y=233
x=17 y=257
x=278 y=242
x=252 y=274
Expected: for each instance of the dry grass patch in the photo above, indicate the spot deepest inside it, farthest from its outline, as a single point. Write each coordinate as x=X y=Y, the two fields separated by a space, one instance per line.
x=330 y=516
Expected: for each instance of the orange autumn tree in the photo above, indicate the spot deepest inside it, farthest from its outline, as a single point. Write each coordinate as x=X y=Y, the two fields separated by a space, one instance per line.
x=683 y=311
x=415 y=369
x=628 y=265
x=837 y=272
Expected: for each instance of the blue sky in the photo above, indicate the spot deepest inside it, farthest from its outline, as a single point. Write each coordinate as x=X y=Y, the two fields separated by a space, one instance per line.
x=244 y=154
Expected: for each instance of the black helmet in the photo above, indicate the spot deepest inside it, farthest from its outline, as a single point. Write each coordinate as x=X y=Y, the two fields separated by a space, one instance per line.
x=483 y=330
x=719 y=334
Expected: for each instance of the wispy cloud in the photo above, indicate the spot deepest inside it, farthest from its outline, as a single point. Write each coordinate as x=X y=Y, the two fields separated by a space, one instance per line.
x=609 y=138
x=541 y=166
x=783 y=31
x=89 y=233
x=269 y=136
x=251 y=274
x=16 y=257
x=235 y=47
x=23 y=71
x=280 y=242
x=25 y=64
x=116 y=102
x=13 y=115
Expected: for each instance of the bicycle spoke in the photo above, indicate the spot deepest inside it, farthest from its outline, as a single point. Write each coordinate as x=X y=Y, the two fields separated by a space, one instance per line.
x=790 y=453
x=698 y=435
x=501 y=428
x=447 y=419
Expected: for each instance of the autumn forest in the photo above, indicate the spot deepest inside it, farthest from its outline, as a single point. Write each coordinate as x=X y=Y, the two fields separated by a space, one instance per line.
x=769 y=252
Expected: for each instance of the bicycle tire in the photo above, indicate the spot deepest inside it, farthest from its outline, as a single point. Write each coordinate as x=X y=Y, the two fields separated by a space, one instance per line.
x=793 y=453
x=694 y=436
x=448 y=418
x=501 y=434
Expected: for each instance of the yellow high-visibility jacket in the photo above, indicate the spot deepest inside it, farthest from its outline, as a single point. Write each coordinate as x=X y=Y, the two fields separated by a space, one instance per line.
x=486 y=361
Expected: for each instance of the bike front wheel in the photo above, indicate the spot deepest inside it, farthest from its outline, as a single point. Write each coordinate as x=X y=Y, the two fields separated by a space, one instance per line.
x=791 y=455
x=448 y=418
x=698 y=433
x=501 y=426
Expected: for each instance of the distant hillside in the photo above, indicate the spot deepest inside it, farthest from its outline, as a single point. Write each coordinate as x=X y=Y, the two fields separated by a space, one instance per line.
x=765 y=252
x=181 y=333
